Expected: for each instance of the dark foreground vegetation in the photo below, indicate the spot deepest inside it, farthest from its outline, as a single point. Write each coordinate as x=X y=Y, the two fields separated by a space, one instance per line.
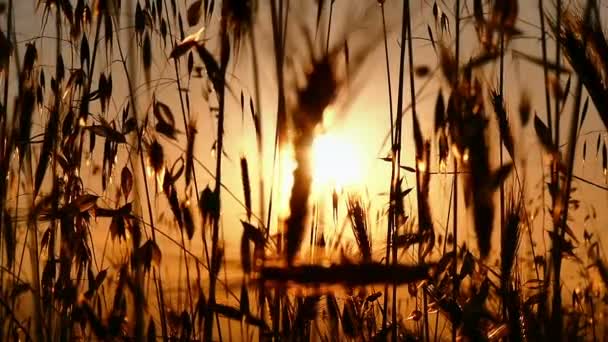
x=419 y=280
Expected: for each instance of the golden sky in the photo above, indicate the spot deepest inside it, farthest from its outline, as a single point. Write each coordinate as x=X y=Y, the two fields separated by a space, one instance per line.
x=355 y=139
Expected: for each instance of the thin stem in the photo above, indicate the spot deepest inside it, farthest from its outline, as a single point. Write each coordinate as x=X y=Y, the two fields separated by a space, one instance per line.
x=397 y=152
x=54 y=116
x=331 y=10
x=500 y=148
x=157 y=280
x=408 y=20
x=7 y=151
x=188 y=137
x=208 y=331
x=455 y=289
x=542 y=306
x=258 y=114
x=260 y=133
x=279 y=45
x=556 y=305
x=558 y=51
x=543 y=40
x=390 y=106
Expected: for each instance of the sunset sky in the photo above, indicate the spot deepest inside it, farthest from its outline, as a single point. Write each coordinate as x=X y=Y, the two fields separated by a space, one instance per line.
x=355 y=139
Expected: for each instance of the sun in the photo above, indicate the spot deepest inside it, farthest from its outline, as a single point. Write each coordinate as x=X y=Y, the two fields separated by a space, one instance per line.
x=335 y=163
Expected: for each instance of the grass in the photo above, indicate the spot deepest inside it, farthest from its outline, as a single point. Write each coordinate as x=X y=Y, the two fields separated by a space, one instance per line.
x=89 y=143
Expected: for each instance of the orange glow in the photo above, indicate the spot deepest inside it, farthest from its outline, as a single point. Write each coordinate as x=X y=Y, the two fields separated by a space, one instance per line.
x=336 y=163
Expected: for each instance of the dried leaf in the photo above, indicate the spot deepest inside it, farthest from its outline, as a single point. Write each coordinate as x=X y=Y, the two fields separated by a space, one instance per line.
x=500 y=175
x=156 y=156
x=584 y=151
x=415 y=315
x=567 y=88
x=246 y=186
x=245 y=254
x=440 y=119
x=524 y=108
x=431 y=37
x=101 y=276
x=151 y=331
x=408 y=168
x=181 y=48
x=25 y=122
x=163 y=31
x=256 y=122
x=111 y=134
x=604 y=159
x=543 y=134
x=213 y=68
x=48 y=146
x=422 y=71
x=97 y=326
x=253 y=234
x=126 y=181
x=165 y=121
x=478 y=12
x=244 y=300
x=209 y=206
x=147 y=56
x=350 y=321
x=188 y=221
x=150 y=253
x=60 y=69
x=320 y=5
x=190 y=152
x=84 y=202
x=85 y=57
x=583 y=114
x=140 y=20
x=481 y=60
x=118 y=228
x=193 y=13
x=122 y=211
x=6 y=50
x=30 y=57
x=227 y=311
x=406 y=240
x=445 y=23
x=373 y=297
x=503 y=123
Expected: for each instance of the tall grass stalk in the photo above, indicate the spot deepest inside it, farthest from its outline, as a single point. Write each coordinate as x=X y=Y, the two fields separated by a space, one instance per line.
x=189 y=136
x=278 y=41
x=215 y=248
x=422 y=164
x=563 y=198
x=396 y=159
x=543 y=39
x=556 y=307
x=501 y=85
x=130 y=73
x=393 y=164
x=456 y=282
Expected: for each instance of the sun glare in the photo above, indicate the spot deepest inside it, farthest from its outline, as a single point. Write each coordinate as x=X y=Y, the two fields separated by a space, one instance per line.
x=335 y=163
